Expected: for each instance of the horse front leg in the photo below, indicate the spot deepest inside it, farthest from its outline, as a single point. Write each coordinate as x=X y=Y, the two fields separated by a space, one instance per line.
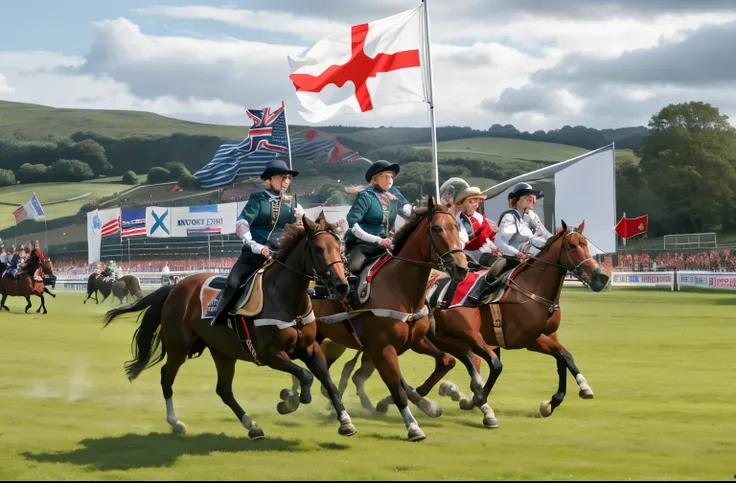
x=386 y=361
x=30 y=305
x=317 y=363
x=550 y=345
x=2 y=303
x=46 y=290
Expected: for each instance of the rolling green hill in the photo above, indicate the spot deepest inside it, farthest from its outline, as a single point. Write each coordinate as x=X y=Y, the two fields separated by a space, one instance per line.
x=31 y=122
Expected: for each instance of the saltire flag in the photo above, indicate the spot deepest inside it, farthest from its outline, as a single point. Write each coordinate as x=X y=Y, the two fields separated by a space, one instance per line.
x=366 y=66
x=266 y=139
x=630 y=227
x=30 y=210
x=133 y=222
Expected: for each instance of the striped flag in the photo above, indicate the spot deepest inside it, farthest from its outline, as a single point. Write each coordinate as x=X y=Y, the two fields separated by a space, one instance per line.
x=112 y=226
x=30 y=210
x=133 y=222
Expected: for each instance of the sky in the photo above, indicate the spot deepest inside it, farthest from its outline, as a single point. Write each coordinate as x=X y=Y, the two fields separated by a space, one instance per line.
x=536 y=64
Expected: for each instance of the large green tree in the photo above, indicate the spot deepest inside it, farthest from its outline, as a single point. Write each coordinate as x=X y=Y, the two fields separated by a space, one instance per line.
x=689 y=163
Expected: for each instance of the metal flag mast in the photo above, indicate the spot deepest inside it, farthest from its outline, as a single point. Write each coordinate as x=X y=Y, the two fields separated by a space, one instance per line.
x=430 y=103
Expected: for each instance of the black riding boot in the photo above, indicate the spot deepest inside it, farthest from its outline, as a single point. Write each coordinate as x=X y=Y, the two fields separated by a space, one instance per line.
x=487 y=284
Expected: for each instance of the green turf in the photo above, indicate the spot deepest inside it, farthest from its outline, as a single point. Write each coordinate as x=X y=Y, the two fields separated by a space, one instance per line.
x=660 y=363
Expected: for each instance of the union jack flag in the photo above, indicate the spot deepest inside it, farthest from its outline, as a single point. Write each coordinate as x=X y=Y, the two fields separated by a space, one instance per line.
x=266 y=139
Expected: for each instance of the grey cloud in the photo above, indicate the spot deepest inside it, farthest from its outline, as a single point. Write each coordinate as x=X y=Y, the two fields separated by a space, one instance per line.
x=704 y=58
x=527 y=99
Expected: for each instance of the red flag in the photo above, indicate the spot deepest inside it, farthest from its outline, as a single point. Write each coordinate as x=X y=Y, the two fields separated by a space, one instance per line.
x=175 y=189
x=630 y=227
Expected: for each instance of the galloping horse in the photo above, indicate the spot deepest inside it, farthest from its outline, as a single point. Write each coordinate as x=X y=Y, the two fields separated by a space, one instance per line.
x=529 y=318
x=25 y=285
x=394 y=317
x=173 y=327
x=127 y=284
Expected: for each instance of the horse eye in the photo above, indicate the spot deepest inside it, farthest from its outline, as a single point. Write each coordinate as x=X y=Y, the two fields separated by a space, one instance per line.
x=436 y=228
x=574 y=247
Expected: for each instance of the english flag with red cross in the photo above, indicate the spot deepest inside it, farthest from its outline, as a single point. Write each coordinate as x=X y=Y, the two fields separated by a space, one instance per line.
x=362 y=68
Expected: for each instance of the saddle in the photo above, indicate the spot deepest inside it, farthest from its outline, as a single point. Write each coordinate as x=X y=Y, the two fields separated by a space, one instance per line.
x=444 y=294
x=249 y=295
x=360 y=286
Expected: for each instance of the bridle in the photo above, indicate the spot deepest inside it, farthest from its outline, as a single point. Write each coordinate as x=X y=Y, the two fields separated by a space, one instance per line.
x=576 y=268
x=318 y=274
x=442 y=263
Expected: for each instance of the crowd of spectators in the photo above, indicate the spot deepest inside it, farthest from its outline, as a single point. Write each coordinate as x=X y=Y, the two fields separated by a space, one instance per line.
x=713 y=261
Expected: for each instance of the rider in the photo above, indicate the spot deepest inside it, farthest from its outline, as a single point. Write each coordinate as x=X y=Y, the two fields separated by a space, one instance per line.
x=372 y=217
x=16 y=261
x=520 y=234
x=111 y=272
x=260 y=225
x=3 y=258
x=477 y=231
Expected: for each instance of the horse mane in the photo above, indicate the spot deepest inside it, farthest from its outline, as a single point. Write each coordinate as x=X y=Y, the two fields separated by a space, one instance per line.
x=294 y=233
x=420 y=213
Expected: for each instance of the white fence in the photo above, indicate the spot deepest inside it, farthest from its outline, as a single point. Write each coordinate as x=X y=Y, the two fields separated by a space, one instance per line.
x=671 y=280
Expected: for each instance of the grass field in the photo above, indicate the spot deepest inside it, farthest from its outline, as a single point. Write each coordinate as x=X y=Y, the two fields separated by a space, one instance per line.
x=12 y=196
x=503 y=150
x=660 y=363
x=32 y=122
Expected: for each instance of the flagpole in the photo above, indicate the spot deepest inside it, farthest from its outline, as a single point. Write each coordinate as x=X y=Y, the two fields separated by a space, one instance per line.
x=46 y=225
x=431 y=104
x=625 y=231
x=288 y=137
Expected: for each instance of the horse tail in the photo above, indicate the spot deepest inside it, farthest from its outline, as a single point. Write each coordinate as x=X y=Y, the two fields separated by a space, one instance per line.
x=147 y=347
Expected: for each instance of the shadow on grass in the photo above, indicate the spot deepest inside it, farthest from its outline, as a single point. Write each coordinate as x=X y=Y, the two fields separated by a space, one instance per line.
x=154 y=450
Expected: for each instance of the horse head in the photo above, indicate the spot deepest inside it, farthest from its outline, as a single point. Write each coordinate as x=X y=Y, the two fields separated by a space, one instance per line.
x=574 y=255
x=325 y=255
x=442 y=247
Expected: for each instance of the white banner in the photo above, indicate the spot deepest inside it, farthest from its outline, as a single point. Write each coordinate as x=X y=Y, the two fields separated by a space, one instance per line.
x=100 y=223
x=204 y=220
x=713 y=280
x=644 y=279
x=158 y=222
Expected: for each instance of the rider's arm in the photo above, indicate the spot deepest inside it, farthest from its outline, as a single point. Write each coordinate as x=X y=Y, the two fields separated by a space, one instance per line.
x=404 y=205
x=242 y=226
x=546 y=235
x=355 y=215
x=506 y=230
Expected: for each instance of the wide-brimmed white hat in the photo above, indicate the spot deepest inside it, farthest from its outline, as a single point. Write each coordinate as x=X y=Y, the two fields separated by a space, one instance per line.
x=471 y=192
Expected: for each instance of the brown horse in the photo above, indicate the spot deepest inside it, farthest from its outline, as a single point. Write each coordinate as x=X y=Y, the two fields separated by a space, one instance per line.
x=174 y=328
x=25 y=284
x=394 y=318
x=530 y=318
x=124 y=286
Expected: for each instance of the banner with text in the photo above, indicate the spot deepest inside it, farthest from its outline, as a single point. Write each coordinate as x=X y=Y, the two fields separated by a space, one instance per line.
x=204 y=220
x=713 y=280
x=158 y=222
x=644 y=279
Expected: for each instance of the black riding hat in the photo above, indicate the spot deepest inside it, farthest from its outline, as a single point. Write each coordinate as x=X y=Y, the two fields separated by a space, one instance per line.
x=522 y=189
x=277 y=166
x=379 y=167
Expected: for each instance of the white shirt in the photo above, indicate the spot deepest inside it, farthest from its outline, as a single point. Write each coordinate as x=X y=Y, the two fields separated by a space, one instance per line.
x=166 y=269
x=527 y=235
x=4 y=258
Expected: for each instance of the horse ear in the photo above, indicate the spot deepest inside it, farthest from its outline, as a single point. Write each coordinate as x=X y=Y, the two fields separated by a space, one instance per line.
x=308 y=224
x=581 y=227
x=564 y=226
x=321 y=218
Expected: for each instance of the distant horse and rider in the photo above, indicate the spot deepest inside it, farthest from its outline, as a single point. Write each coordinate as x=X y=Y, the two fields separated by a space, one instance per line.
x=111 y=281
x=23 y=276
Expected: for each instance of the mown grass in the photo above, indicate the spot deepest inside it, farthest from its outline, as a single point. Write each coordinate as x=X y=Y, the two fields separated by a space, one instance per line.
x=660 y=363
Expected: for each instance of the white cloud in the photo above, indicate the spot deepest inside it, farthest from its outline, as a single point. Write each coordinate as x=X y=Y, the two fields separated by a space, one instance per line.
x=4 y=86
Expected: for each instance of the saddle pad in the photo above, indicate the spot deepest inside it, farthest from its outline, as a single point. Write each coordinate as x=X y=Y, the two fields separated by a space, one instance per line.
x=209 y=295
x=376 y=267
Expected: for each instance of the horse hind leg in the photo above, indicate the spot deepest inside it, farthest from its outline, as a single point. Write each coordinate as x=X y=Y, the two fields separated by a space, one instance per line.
x=2 y=303
x=225 y=373
x=168 y=375
x=30 y=305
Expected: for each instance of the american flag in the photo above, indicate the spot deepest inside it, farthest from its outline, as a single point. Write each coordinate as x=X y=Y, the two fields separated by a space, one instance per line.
x=111 y=228
x=133 y=222
x=266 y=139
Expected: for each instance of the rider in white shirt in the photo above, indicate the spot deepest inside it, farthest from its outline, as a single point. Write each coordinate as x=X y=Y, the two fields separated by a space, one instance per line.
x=520 y=234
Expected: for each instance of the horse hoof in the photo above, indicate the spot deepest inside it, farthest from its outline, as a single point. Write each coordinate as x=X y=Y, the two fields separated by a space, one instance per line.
x=466 y=404
x=255 y=434
x=490 y=423
x=286 y=394
x=347 y=429
x=283 y=408
x=306 y=396
x=179 y=428
x=382 y=406
x=447 y=388
x=415 y=433
x=545 y=409
x=585 y=394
